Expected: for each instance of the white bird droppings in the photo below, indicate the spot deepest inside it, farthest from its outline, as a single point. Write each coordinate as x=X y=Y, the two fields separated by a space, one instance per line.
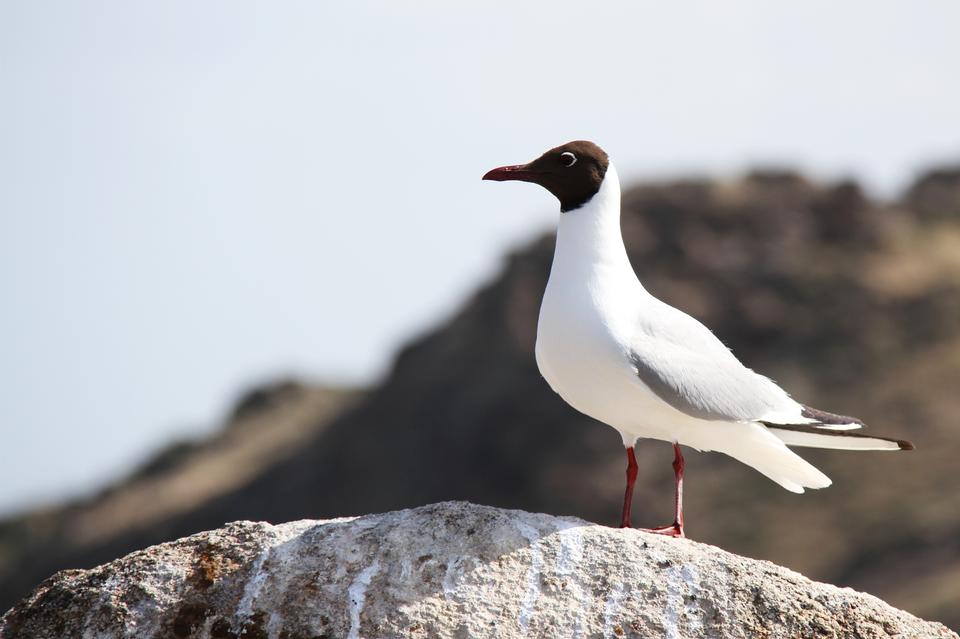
x=357 y=595
x=252 y=589
x=612 y=607
x=682 y=582
x=569 y=556
x=532 y=535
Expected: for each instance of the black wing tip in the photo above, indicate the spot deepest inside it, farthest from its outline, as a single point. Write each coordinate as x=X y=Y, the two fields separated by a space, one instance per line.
x=829 y=419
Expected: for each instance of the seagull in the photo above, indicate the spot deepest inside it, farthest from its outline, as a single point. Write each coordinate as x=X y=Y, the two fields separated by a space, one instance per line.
x=618 y=354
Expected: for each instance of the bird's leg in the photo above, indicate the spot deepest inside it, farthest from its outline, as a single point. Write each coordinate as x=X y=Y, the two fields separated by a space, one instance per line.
x=631 y=480
x=678 y=466
x=675 y=530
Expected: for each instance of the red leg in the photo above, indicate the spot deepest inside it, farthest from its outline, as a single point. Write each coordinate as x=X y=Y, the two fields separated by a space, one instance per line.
x=675 y=530
x=628 y=495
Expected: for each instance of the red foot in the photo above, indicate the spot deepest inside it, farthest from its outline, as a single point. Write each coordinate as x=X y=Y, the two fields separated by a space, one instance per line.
x=673 y=530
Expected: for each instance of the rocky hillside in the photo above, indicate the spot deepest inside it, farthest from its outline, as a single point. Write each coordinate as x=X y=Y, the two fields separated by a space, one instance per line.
x=851 y=304
x=446 y=570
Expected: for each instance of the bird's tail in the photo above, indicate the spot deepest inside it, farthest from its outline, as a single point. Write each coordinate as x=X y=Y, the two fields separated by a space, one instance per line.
x=818 y=436
x=760 y=449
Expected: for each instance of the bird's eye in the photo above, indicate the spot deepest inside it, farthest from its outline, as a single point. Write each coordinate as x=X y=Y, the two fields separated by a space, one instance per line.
x=568 y=159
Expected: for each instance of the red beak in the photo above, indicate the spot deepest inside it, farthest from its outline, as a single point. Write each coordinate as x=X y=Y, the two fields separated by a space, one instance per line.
x=514 y=172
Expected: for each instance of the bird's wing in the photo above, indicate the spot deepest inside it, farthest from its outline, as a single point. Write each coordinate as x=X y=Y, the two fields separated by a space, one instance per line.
x=686 y=366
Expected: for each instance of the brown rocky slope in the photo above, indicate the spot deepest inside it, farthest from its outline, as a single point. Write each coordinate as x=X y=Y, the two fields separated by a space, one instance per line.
x=852 y=305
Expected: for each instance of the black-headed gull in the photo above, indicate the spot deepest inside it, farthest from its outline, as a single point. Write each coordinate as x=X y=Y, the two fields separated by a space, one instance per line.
x=618 y=354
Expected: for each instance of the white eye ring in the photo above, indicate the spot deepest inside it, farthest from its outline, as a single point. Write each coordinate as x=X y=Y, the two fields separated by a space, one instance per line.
x=568 y=159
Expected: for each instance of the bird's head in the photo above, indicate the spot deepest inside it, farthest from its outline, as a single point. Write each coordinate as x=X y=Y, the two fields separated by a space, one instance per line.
x=573 y=172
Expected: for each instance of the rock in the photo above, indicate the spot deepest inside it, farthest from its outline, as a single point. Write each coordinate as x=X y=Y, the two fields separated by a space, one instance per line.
x=447 y=570
x=936 y=194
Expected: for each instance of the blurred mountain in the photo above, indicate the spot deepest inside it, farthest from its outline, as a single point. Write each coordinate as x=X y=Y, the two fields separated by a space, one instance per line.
x=852 y=305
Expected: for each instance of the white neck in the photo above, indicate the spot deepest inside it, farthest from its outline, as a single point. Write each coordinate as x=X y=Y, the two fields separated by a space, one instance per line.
x=589 y=237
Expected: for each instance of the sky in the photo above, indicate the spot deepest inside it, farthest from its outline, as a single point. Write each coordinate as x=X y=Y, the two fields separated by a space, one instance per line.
x=196 y=197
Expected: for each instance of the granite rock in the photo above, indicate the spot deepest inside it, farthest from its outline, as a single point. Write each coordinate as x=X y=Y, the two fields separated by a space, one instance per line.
x=452 y=569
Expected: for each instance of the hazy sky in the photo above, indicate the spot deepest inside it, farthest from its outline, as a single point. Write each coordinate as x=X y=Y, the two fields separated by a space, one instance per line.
x=195 y=196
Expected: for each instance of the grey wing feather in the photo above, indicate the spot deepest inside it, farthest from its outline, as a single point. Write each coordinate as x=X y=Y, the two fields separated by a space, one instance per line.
x=687 y=367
